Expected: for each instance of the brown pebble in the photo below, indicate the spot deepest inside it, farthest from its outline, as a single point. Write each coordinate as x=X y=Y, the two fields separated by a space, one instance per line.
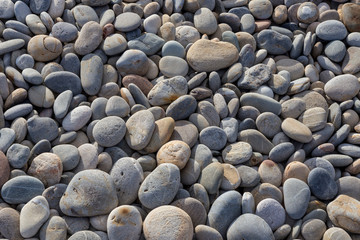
x=296 y=170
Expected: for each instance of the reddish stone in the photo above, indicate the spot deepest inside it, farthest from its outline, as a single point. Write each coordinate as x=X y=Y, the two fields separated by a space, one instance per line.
x=143 y=83
x=4 y=169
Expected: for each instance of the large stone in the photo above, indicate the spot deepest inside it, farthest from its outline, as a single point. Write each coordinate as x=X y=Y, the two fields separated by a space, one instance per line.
x=207 y=56
x=350 y=16
x=89 y=193
x=342 y=87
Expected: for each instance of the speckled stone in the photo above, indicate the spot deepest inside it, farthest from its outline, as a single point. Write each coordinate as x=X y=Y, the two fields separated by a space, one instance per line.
x=109 y=131
x=237 y=153
x=89 y=193
x=168 y=222
x=124 y=222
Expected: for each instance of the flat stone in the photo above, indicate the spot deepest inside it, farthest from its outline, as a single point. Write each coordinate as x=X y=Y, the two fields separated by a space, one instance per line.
x=313 y=229
x=296 y=130
x=140 y=127
x=89 y=38
x=131 y=223
x=77 y=118
x=91 y=73
x=296 y=170
x=40 y=128
x=179 y=225
x=148 y=43
x=294 y=67
x=172 y=66
x=21 y=189
x=61 y=81
x=269 y=172
x=193 y=208
x=349 y=186
x=249 y=176
x=268 y=124
x=37 y=209
x=331 y=30
x=257 y=140
x=109 y=131
x=296 y=197
x=11 y=45
x=225 y=209
x=237 y=153
x=261 y=102
x=89 y=193
x=127 y=22
x=321 y=184
x=163 y=183
x=207 y=56
x=281 y=152
x=10 y=223
x=272 y=212
x=114 y=44
x=344 y=213
x=348 y=84
x=7 y=137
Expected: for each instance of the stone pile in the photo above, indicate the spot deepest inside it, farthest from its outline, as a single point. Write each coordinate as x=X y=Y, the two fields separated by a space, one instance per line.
x=179 y=119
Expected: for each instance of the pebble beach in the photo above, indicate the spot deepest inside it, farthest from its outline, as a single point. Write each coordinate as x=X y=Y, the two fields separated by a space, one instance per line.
x=179 y=120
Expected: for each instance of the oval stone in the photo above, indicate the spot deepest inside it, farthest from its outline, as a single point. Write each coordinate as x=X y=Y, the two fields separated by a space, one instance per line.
x=296 y=197
x=44 y=48
x=109 y=131
x=160 y=186
x=296 y=130
x=342 y=87
x=331 y=30
x=21 y=189
x=207 y=56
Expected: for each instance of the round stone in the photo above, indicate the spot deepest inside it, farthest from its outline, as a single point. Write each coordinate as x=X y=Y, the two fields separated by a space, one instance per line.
x=193 y=208
x=40 y=128
x=272 y=212
x=213 y=137
x=173 y=48
x=65 y=32
x=127 y=22
x=331 y=30
x=261 y=9
x=44 y=48
x=164 y=128
x=133 y=62
x=124 y=222
x=172 y=66
x=268 y=124
x=89 y=38
x=350 y=16
x=322 y=185
x=272 y=41
x=343 y=87
x=270 y=172
x=160 y=186
x=169 y=222
x=335 y=50
x=47 y=167
x=205 y=21
x=182 y=107
x=18 y=155
x=237 y=153
x=336 y=233
x=68 y=154
x=203 y=232
x=175 y=152
x=296 y=170
x=114 y=44
x=249 y=226
x=294 y=67
x=211 y=177
x=313 y=229
x=109 y=131
x=307 y=12
x=89 y=193
x=314 y=118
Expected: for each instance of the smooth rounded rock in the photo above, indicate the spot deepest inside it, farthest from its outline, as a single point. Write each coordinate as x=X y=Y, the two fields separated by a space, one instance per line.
x=342 y=87
x=296 y=197
x=89 y=193
x=321 y=184
x=331 y=30
x=178 y=224
x=109 y=131
x=213 y=137
x=44 y=48
x=272 y=212
x=237 y=153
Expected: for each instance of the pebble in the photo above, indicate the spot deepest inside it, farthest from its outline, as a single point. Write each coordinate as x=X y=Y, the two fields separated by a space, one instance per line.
x=321 y=184
x=124 y=222
x=272 y=212
x=164 y=180
x=21 y=189
x=37 y=209
x=344 y=213
x=349 y=85
x=203 y=55
x=296 y=197
x=213 y=89
x=331 y=30
x=237 y=153
x=336 y=233
x=89 y=193
x=10 y=223
x=47 y=167
x=225 y=209
x=169 y=222
x=249 y=226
